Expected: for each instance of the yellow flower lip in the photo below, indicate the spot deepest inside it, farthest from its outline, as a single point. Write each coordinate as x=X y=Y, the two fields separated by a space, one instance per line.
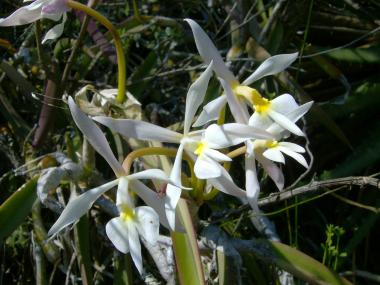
x=200 y=148
x=259 y=103
x=271 y=144
x=127 y=213
x=265 y=144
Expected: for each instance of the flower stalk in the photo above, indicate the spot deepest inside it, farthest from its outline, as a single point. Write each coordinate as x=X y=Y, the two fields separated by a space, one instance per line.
x=121 y=63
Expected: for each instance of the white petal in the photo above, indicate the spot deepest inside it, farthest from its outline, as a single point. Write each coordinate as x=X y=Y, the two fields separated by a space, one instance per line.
x=56 y=31
x=211 y=111
x=78 y=206
x=117 y=232
x=284 y=104
x=205 y=168
x=95 y=136
x=208 y=51
x=216 y=137
x=238 y=110
x=150 y=174
x=152 y=199
x=195 y=96
x=139 y=130
x=296 y=114
x=123 y=196
x=252 y=185
x=285 y=123
x=173 y=194
x=24 y=15
x=232 y=134
x=147 y=224
x=54 y=7
x=135 y=246
x=292 y=146
x=225 y=184
x=175 y=174
x=270 y=66
x=272 y=170
x=293 y=116
x=260 y=121
x=274 y=154
x=215 y=155
x=298 y=157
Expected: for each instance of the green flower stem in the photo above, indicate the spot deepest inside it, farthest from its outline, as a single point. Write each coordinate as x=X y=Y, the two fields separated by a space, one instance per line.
x=128 y=161
x=118 y=44
x=136 y=11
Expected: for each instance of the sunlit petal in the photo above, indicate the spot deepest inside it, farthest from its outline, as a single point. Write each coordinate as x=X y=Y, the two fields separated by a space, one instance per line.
x=123 y=196
x=211 y=111
x=274 y=154
x=56 y=31
x=225 y=184
x=284 y=104
x=195 y=96
x=78 y=206
x=232 y=134
x=95 y=136
x=152 y=199
x=205 y=168
x=285 y=123
x=252 y=184
x=272 y=170
x=173 y=194
x=298 y=157
x=117 y=232
x=175 y=174
x=135 y=246
x=293 y=116
x=24 y=15
x=147 y=223
x=292 y=146
x=139 y=130
x=150 y=174
x=216 y=155
x=54 y=7
x=259 y=121
x=208 y=51
x=270 y=66
x=238 y=110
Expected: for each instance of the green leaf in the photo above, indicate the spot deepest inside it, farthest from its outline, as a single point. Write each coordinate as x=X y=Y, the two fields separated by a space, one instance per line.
x=186 y=250
x=304 y=266
x=17 y=207
x=357 y=55
x=142 y=71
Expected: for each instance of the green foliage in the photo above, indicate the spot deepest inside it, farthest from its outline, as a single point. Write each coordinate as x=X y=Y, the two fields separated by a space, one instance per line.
x=339 y=71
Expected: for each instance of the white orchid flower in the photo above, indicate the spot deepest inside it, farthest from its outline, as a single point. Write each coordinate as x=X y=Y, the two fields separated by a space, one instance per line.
x=124 y=230
x=234 y=91
x=204 y=153
x=50 y=9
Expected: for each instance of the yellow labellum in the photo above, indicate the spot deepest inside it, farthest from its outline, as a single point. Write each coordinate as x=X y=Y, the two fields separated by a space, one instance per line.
x=260 y=104
x=200 y=148
x=127 y=213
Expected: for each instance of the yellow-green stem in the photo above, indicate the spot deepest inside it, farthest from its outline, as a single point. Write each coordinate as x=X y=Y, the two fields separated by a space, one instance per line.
x=128 y=161
x=118 y=44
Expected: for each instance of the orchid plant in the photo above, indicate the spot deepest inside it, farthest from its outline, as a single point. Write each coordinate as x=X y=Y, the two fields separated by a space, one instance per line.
x=261 y=124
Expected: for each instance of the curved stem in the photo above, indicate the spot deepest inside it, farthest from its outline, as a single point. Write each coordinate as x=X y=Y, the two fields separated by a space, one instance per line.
x=127 y=164
x=118 y=45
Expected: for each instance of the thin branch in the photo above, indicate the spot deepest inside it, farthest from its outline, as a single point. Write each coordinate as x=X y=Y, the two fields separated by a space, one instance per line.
x=320 y=185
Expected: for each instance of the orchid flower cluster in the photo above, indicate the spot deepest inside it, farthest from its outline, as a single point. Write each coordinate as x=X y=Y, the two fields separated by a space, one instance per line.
x=262 y=125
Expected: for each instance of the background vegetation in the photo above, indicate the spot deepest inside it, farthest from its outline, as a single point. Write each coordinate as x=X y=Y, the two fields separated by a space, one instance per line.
x=338 y=68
